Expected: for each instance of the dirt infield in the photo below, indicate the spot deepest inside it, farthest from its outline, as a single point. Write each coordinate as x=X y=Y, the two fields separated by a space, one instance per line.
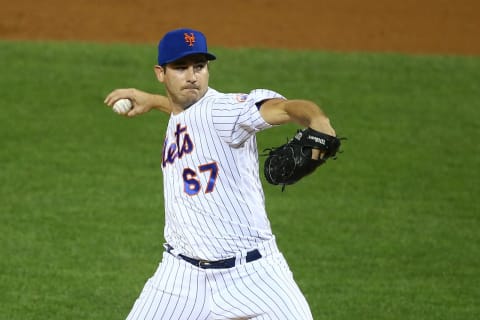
x=414 y=26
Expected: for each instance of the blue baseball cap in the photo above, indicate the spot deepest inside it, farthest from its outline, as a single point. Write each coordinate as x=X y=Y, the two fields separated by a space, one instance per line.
x=180 y=43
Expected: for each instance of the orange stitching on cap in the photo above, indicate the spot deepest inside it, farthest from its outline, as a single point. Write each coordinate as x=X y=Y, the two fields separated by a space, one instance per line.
x=189 y=39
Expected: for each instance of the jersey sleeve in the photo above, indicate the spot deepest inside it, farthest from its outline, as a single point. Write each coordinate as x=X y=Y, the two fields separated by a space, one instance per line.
x=239 y=118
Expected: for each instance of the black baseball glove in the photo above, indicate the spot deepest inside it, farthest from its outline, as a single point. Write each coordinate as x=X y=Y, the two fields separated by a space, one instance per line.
x=292 y=161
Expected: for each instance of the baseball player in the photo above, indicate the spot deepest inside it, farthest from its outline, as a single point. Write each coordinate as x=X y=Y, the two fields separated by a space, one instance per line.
x=221 y=260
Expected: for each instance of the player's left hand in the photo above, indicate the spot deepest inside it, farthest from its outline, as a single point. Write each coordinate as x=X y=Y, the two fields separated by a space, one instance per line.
x=300 y=156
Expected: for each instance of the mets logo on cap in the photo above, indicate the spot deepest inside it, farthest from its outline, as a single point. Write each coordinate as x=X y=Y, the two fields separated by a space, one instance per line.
x=189 y=38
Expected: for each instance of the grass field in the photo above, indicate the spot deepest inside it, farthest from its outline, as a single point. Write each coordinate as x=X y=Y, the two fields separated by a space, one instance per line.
x=390 y=230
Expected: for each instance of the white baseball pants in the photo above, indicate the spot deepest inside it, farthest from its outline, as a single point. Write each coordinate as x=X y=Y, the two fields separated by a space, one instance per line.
x=262 y=289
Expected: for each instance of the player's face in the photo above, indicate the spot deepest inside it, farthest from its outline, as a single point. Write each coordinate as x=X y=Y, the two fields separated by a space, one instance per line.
x=185 y=80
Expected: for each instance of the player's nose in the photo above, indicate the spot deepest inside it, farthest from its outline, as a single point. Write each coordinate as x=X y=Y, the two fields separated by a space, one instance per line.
x=191 y=75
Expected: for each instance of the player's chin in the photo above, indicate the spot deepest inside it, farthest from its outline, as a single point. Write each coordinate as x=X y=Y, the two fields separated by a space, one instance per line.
x=187 y=102
x=190 y=96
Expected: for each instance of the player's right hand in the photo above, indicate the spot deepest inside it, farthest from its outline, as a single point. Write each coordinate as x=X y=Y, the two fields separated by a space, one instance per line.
x=142 y=101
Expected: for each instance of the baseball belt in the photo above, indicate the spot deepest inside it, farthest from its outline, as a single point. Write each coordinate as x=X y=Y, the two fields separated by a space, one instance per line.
x=217 y=264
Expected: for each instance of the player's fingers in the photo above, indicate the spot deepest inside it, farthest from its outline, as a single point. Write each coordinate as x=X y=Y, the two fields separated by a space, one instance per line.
x=110 y=98
x=134 y=111
x=114 y=96
x=131 y=113
x=117 y=94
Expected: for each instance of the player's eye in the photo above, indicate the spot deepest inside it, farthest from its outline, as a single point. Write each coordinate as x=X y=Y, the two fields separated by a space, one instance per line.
x=200 y=66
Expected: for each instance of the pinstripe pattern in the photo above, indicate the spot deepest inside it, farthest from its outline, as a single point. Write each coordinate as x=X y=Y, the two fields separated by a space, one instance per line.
x=176 y=291
x=215 y=209
x=231 y=219
x=263 y=290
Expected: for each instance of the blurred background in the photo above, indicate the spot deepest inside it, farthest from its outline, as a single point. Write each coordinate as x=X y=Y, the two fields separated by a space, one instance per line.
x=424 y=26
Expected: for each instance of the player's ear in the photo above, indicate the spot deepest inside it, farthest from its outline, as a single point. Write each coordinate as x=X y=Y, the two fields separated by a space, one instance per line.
x=159 y=72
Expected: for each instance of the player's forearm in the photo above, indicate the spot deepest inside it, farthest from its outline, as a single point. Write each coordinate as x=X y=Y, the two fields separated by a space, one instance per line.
x=160 y=103
x=308 y=114
x=303 y=112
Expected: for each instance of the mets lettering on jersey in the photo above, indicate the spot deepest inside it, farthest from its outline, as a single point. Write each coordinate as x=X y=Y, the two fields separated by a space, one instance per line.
x=180 y=146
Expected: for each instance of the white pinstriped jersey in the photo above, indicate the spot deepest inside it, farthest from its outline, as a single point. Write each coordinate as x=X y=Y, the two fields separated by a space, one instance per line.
x=214 y=203
x=215 y=209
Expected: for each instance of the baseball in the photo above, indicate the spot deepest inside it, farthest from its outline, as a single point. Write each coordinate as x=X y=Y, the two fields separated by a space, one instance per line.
x=122 y=106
